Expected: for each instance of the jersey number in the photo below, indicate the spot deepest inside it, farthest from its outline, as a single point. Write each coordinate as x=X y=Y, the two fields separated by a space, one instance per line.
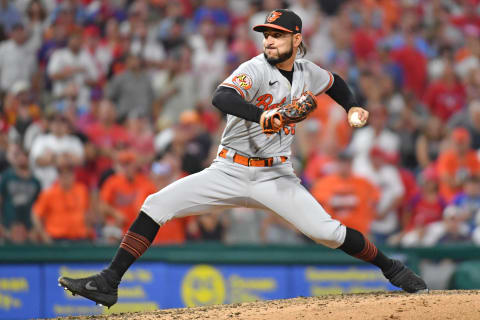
x=289 y=129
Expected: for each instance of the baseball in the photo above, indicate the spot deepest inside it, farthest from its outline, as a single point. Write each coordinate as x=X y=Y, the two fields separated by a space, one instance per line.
x=355 y=119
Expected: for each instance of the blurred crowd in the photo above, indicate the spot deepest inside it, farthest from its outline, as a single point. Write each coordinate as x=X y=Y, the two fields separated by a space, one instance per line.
x=104 y=102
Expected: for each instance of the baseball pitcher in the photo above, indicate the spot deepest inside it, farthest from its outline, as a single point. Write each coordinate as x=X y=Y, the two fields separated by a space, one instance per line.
x=264 y=99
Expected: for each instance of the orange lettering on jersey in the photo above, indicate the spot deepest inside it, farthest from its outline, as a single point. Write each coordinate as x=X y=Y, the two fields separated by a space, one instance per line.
x=276 y=105
x=264 y=100
x=273 y=16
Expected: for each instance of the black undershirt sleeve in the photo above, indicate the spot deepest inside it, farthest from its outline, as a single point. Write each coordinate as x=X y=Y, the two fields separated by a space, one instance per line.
x=341 y=93
x=230 y=102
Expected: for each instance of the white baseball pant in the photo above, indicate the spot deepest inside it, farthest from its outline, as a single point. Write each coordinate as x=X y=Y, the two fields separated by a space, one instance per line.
x=226 y=184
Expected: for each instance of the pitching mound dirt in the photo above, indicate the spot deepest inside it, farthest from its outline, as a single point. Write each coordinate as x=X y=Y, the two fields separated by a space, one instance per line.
x=436 y=305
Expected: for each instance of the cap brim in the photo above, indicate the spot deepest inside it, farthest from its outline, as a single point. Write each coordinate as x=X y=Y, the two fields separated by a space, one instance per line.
x=263 y=27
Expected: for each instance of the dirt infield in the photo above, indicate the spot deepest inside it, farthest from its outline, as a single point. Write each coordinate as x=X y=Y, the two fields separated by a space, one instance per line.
x=436 y=305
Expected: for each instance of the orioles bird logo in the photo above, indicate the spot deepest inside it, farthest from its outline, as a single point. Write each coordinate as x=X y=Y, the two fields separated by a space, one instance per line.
x=243 y=81
x=274 y=16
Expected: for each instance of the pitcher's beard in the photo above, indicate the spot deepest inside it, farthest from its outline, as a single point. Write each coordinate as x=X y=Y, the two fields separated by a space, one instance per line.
x=282 y=57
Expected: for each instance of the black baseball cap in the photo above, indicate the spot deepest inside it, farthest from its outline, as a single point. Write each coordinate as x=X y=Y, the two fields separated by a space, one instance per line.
x=281 y=19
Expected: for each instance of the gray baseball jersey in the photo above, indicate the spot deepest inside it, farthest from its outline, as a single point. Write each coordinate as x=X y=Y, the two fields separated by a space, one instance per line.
x=227 y=184
x=263 y=85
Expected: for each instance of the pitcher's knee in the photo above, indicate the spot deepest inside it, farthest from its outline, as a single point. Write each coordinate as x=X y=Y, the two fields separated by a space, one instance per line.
x=331 y=237
x=152 y=206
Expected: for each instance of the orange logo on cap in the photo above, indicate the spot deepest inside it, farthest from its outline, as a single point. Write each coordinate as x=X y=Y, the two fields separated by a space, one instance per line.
x=274 y=16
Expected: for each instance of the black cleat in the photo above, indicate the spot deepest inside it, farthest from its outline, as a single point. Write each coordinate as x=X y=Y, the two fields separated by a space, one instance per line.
x=401 y=276
x=96 y=288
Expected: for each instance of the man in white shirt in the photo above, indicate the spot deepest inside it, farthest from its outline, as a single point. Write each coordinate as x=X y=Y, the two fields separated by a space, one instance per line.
x=100 y=53
x=387 y=178
x=46 y=148
x=72 y=64
x=17 y=58
x=208 y=60
x=374 y=135
x=147 y=48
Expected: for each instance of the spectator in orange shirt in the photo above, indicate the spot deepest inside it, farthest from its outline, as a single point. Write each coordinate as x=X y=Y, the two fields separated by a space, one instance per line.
x=346 y=197
x=333 y=122
x=60 y=212
x=321 y=155
x=455 y=165
x=119 y=193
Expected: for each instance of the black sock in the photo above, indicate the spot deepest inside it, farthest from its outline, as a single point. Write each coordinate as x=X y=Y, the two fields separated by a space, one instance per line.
x=135 y=242
x=358 y=246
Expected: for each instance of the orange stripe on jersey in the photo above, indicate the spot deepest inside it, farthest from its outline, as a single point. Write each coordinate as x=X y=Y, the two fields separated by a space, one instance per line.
x=234 y=87
x=329 y=85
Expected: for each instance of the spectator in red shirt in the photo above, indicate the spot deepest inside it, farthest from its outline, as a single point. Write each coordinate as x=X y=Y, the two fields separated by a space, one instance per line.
x=411 y=190
x=242 y=46
x=427 y=205
x=364 y=40
x=469 y=17
x=140 y=136
x=445 y=96
x=425 y=208
x=106 y=135
x=413 y=64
